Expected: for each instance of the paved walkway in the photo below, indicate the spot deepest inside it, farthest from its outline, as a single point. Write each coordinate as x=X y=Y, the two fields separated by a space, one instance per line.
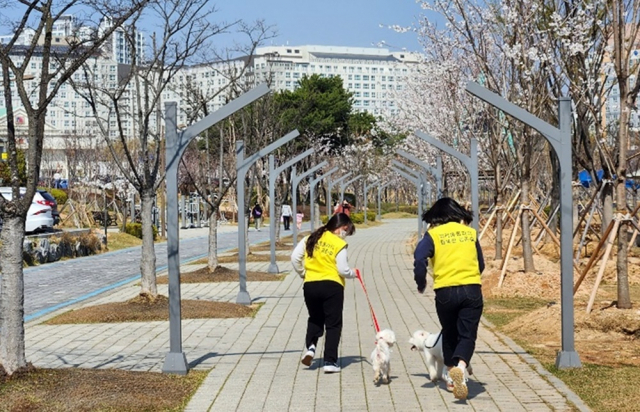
x=255 y=363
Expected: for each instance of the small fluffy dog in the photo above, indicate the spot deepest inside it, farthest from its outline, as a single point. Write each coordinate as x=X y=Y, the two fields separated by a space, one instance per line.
x=431 y=344
x=381 y=355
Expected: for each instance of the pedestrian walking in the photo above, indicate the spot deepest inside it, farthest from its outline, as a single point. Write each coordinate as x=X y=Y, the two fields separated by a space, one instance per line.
x=344 y=207
x=299 y=217
x=457 y=261
x=321 y=260
x=286 y=216
x=256 y=212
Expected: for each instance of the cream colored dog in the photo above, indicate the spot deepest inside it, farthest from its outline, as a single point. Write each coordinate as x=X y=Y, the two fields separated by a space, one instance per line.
x=431 y=344
x=381 y=355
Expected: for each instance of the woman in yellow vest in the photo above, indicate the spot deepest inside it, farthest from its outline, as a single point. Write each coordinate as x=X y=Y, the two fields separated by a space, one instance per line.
x=456 y=258
x=321 y=260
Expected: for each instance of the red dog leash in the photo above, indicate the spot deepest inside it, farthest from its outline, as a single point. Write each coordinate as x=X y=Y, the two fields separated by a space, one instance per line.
x=373 y=315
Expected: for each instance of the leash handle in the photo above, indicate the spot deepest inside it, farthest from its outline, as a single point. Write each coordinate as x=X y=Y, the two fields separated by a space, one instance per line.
x=373 y=315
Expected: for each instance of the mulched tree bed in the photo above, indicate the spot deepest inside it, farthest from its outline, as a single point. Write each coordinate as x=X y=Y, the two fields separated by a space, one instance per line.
x=73 y=389
x=221 y=274
x=253 y=257
x=145 y=309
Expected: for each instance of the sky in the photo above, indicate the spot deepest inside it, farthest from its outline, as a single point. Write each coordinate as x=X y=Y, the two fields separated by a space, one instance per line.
x=354 y=23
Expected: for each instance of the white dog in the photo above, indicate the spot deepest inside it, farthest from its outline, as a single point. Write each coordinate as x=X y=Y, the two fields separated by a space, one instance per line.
x=431 y=344
x=381 y=355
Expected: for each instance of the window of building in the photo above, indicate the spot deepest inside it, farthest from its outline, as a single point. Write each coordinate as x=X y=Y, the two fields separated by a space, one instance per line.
x=288 y=50
x=350 y=77
x=297 y=51
x=357 y=85
x=365 y=77
x=365 y=86
x=365 y=94
x=357 y=77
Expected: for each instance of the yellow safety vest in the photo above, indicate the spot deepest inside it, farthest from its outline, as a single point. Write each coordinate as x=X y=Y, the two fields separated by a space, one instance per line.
x=455 y=257
x=322 y=266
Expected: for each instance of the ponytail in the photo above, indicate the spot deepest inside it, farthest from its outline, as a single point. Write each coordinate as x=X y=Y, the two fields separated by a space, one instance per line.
x=313 y=239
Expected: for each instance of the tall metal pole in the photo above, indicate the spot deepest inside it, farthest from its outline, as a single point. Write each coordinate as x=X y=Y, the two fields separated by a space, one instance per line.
x=274 y=172
x=295 y=180
x=176 y=144
x=470 y=162
x=343 y=186
x=312 y=185
x=416 y=181
x=560 y=140
x=242 y=167
x=330 y=184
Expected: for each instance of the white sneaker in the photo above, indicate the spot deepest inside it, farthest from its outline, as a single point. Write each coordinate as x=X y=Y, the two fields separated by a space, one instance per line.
x=308 y=356
x=331 y=368
x=457 y=375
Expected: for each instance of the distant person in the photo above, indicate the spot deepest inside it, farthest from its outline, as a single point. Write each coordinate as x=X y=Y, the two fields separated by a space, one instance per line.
x=256 y=212
x=287 y=213
x=299 y=217
x=345 y=208
x=455 y=254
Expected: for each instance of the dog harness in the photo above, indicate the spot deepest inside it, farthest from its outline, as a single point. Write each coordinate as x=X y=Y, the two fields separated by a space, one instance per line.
x=434 y=343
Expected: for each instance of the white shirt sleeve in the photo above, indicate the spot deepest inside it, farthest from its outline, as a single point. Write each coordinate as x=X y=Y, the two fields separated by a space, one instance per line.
x=297 y=257
x=343 y=265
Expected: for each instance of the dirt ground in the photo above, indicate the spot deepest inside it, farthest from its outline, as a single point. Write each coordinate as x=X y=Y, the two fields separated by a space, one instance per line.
x=74 y=389
x=144 y=309
x=607 y=336
x=221 y=274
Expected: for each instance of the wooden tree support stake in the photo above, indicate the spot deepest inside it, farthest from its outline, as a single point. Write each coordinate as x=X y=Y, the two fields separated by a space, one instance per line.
x=603 y=263
x=594 y=255
x=511 y=241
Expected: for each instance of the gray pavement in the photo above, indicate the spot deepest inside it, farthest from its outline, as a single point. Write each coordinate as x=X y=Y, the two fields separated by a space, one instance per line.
x=255 y=363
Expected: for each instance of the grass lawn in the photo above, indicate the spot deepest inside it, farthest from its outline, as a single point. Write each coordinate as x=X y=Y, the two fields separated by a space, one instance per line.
x=610 y=385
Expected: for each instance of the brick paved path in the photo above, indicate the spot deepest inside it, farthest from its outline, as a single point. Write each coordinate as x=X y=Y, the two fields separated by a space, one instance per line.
x=256 y=362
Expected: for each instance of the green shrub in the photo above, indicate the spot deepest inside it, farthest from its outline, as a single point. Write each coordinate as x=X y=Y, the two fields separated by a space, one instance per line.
x=413 y=209
x=355 y=217
x=135 y=229
x=359 y=217
x=60 y=196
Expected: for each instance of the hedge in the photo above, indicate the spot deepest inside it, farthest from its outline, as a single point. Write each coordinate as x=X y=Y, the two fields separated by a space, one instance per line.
x=135 y=229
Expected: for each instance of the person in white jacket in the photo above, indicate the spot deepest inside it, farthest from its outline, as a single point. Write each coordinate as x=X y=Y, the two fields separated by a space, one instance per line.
x=286 y=216
x=321 y=260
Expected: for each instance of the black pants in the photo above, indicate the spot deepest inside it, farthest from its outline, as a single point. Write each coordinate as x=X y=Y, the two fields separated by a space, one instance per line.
x=324 y=300
x=287 y=222
x=459 y=310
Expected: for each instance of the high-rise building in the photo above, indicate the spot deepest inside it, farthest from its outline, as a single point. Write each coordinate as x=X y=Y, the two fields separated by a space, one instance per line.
x=374 y=75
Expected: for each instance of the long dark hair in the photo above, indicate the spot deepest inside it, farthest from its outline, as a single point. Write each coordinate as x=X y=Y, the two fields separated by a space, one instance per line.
x=336 y=221
x=447 y=210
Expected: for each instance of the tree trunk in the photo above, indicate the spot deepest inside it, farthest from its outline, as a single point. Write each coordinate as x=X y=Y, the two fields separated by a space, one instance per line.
x=607 y=206
x=276 y=217
x=148 y=258
x=12 y=356
x=498 y=216
x=212 y=257
x=527 y=252
x=624 y=300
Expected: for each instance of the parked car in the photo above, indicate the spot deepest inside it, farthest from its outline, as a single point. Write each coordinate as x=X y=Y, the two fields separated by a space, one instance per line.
x=48 y=200
x=39 y=214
